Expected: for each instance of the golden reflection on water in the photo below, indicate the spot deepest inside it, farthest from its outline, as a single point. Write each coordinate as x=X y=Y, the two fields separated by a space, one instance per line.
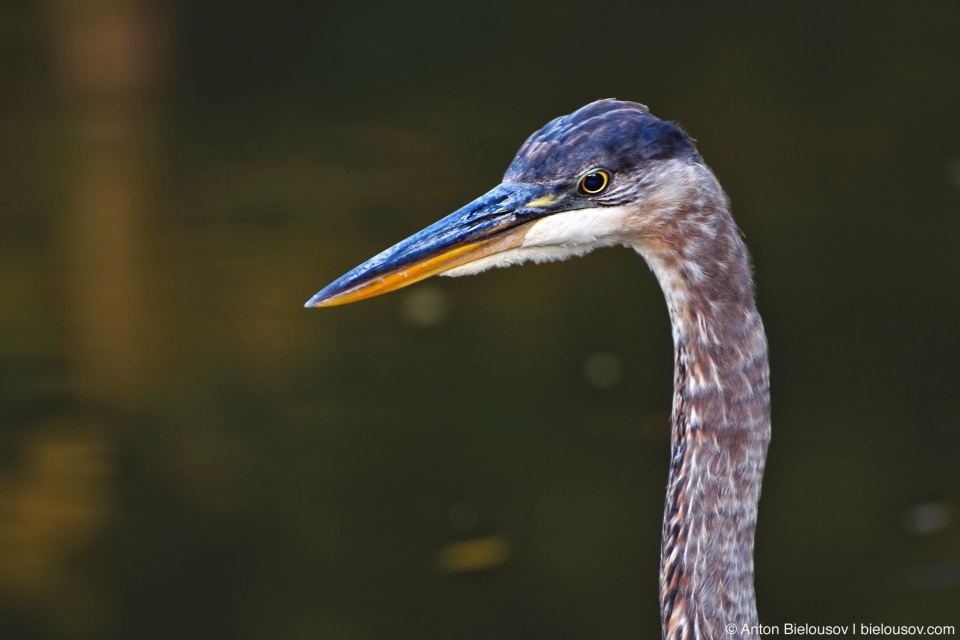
x=473 y=555
x=110 y=55
x=53 y=503
x=56 y=497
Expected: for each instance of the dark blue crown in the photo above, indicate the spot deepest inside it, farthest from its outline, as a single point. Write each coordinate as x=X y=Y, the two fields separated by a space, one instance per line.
x=608 y=134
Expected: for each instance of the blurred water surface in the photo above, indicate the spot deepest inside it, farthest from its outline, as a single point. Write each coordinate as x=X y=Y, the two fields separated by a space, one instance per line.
x=187 y=452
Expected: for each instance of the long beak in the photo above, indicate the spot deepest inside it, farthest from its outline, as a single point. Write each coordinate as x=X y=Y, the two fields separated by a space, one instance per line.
x=490 y=224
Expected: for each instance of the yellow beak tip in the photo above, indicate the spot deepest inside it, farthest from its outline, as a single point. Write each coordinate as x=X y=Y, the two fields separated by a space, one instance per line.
x=411 y=273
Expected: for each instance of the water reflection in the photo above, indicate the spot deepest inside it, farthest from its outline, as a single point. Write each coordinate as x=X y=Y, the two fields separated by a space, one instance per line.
x=425 y=307
x=189 y=453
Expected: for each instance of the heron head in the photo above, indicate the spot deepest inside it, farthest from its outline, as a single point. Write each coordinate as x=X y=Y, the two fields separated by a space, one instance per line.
x=593 y=178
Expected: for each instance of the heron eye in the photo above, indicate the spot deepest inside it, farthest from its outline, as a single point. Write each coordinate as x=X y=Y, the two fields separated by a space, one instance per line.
x=594 y=182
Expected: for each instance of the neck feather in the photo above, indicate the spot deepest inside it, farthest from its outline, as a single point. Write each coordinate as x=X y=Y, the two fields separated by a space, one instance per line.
x=721 y=420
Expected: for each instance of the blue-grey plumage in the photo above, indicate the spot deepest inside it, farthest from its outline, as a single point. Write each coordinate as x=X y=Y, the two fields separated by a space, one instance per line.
x=613 y=174
x=620 y=136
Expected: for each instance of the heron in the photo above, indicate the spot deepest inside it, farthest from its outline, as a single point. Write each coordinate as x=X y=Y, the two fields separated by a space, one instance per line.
x=609 y=174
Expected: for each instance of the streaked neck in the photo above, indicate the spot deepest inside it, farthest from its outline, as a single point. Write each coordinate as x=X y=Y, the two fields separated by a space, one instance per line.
x=721 y=423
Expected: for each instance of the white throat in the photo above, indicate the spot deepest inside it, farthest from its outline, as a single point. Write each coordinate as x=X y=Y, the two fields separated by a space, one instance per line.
x=561 y=236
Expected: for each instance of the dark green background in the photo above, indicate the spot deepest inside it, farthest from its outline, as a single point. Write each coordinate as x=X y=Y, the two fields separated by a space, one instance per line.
x=187 y=453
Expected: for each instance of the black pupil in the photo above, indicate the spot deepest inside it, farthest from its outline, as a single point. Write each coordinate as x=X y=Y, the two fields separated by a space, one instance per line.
x=593 y=182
